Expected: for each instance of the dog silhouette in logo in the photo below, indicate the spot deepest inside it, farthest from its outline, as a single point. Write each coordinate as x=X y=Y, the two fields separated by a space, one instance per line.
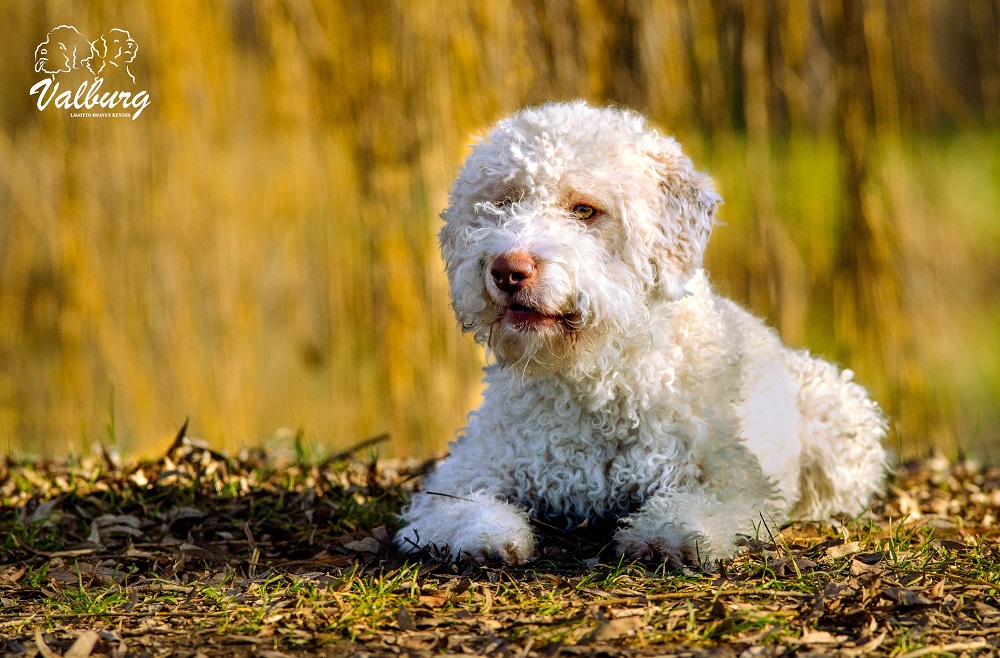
x=63 y=50
x=115 y=48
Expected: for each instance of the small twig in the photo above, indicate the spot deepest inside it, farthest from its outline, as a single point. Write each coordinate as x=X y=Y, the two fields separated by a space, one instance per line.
x=254 y=551
x=346 y=454
x=954 y=647
x=178 y=439
x=21 y=544
x=453 y=497
x=962 y=579
x=109 y=463
x=769 y=533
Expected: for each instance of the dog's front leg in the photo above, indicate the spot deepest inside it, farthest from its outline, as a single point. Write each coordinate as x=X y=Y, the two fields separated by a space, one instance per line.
x=692 y=523
x=479 y=525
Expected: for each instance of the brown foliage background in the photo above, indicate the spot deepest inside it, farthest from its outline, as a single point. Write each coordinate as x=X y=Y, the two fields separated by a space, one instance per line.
x=257 y=250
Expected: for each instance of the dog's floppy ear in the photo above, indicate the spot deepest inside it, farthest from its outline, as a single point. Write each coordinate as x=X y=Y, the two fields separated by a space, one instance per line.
x=687 y=205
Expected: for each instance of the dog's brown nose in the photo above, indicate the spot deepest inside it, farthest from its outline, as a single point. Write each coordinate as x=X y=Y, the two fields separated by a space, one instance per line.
x=513 y=270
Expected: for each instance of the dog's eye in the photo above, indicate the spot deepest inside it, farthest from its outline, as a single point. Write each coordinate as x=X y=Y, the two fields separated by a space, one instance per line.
x=583 y=212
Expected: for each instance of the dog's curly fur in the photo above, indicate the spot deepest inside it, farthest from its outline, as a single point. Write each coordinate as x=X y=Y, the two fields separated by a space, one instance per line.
x=622 y=387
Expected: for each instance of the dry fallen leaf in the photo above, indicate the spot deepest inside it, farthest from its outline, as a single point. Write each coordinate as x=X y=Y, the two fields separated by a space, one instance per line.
x=835 y=552
x=866 y=564
x=366 y=545
x=432 y=601
x=83 y=646
x=614 y=629
x=984 y=609
x=811 y=636
x=904 y=596
x=404 y=619
x=867 y=647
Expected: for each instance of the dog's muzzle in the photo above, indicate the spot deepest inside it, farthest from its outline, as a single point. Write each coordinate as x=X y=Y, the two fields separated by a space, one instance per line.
x=516 y=274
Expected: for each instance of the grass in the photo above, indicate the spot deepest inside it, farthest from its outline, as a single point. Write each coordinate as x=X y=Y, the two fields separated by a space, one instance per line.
x=87 y=600
x=200 y=551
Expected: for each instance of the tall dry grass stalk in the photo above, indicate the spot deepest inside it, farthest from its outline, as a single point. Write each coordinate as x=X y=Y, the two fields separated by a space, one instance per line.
x=257 y=250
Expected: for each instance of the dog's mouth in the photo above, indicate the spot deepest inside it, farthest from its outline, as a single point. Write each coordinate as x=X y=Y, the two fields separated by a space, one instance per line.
x=526 y=318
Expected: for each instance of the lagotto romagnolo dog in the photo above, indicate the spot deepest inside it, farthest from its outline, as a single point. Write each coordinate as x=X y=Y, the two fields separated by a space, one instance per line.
x=621 y=386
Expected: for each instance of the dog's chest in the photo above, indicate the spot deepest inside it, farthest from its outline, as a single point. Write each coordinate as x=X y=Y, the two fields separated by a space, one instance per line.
x=581 y=464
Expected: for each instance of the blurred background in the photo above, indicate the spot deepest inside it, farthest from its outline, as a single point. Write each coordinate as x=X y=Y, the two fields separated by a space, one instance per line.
x=257 y=250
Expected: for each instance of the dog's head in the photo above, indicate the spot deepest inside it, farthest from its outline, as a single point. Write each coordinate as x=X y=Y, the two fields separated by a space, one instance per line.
x=565 y=224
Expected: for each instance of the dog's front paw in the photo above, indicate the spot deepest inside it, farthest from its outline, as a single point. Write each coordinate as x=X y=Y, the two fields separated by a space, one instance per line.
x=673 y=543
x=513 y=551
x=656 y=549
x=477 y=526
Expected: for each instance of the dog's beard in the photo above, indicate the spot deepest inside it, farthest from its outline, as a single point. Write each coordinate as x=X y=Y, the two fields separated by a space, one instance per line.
x=537 y=350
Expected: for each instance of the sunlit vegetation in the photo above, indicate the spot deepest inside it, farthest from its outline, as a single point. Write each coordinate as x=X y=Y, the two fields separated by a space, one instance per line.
x=257 y=250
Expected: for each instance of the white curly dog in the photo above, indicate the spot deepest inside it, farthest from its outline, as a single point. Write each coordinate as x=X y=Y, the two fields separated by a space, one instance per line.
x=621 y=386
